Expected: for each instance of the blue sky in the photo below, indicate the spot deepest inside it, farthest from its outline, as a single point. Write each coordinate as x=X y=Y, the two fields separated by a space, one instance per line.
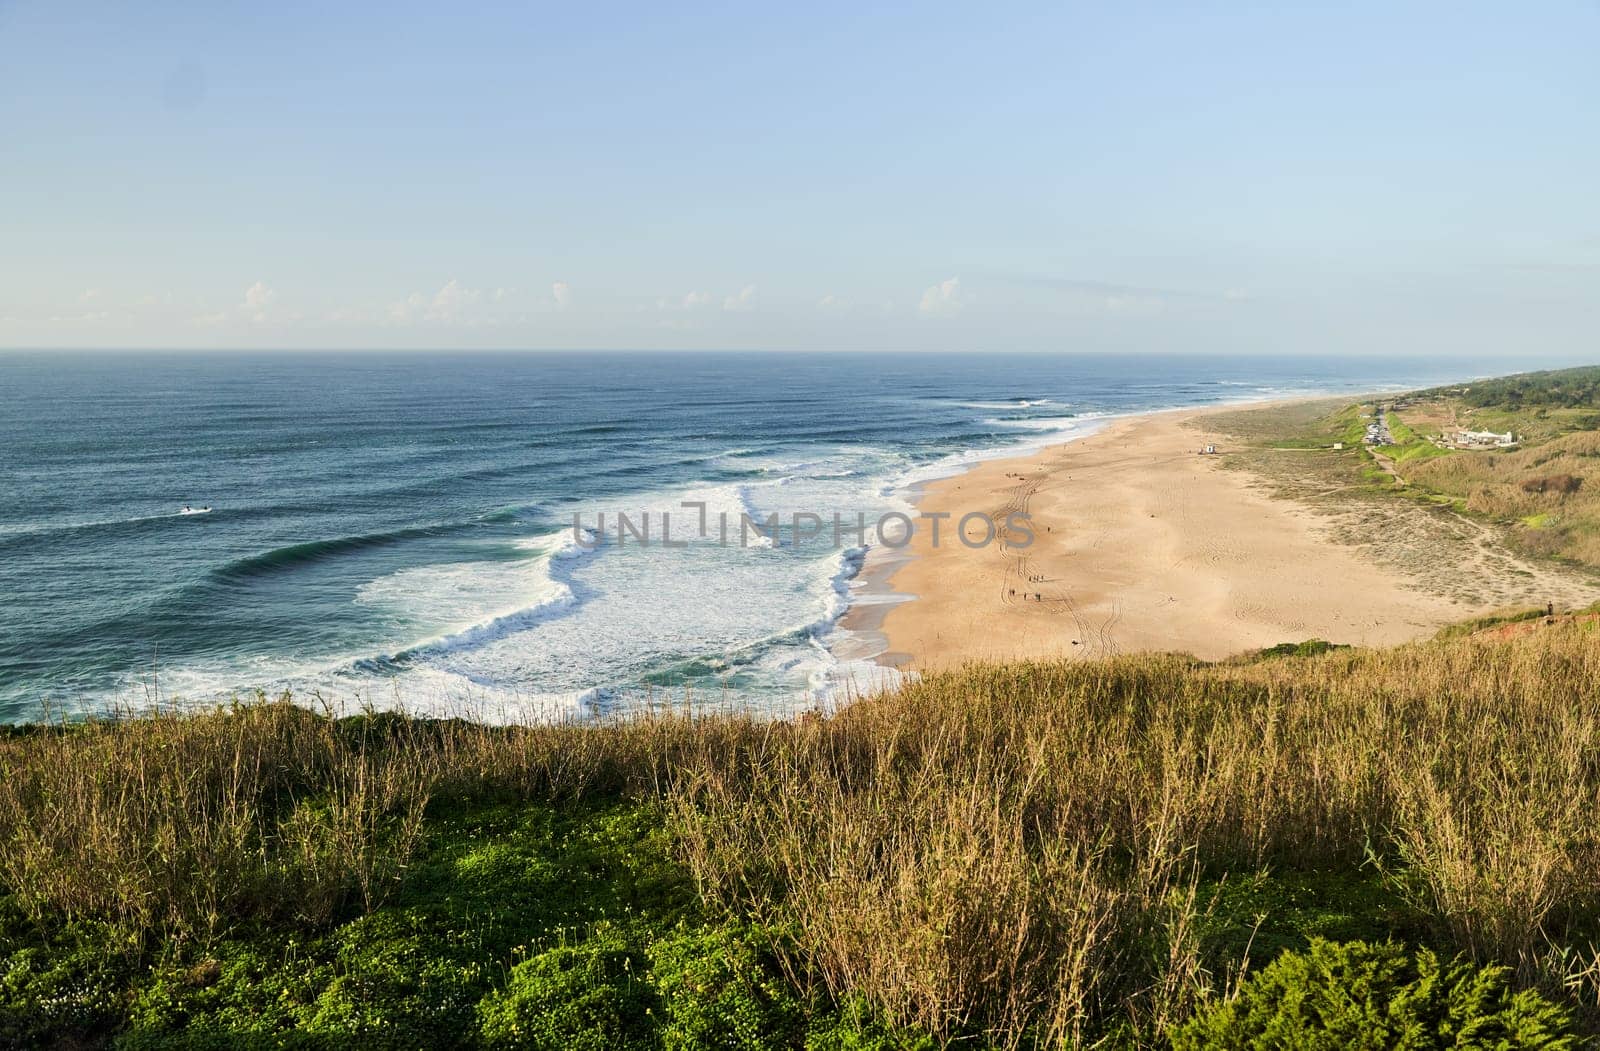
x=1365 y=178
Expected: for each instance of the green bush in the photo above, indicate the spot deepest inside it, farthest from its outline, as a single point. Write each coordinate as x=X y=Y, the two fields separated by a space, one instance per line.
x=1360 y=995
x=238 y=994
x=594 y=996
x=1308 y=648
x=853 y=1027
x=720 y=989
x=50 y=997
x=395 y=986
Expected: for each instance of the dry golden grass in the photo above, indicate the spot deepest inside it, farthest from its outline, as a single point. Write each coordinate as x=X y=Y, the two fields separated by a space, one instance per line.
x=1015 y=845
x=1015 y=850
x=1559 y=519
x=180 y=824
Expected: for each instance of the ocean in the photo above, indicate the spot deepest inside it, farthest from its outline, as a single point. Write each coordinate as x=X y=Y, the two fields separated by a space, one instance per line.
x=397 y=529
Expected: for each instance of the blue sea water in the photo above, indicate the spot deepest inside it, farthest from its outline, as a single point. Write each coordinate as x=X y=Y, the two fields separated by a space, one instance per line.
x=398 y=528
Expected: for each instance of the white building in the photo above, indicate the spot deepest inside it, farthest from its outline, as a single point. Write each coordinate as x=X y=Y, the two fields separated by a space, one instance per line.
x=1482 y=440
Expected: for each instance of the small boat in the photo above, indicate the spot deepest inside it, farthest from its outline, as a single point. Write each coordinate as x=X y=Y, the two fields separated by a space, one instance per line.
x=187 y=510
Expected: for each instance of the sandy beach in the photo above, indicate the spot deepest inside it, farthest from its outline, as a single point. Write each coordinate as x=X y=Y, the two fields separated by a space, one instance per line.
x=1140 y=543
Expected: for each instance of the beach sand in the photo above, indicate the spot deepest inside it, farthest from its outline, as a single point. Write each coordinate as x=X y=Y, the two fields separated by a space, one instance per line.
x=1141 y=543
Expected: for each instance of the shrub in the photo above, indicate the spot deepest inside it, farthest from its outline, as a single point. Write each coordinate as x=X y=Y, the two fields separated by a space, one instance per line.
x=50 y=998
x=720 y=989
x=396 y=986
x=1308 y=648
x=1564 y=484
x=854 y=1028
x=1361 y=995
x=242 y=997
x=588 y=997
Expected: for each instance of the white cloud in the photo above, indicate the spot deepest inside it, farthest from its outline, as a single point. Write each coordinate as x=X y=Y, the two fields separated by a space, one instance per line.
x=257 y=298
x=561 y=292
x=453 y=303
x=407 y=308
x=827 y=302
x=450 y=300
x=943 y=298
x=88 y=295
x=744 y=299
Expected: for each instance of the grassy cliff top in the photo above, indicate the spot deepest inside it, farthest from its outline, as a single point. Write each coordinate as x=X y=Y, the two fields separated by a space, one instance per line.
x=1007 y=855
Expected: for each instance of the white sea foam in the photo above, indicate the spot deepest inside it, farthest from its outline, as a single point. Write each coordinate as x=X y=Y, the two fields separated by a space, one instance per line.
x=571 y=628
x=749 y=618
x=727 y=509
x=1018 y=403
x=1061 y=430
x=830 y=680
x=484 y=601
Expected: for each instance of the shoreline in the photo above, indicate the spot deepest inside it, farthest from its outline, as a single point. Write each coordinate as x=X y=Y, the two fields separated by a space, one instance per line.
x=874 y=593
x=1141 y=544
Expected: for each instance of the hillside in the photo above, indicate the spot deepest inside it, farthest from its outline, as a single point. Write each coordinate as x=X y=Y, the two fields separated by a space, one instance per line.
x=1542 y=489
x=1024 y=855
x=1539 y=488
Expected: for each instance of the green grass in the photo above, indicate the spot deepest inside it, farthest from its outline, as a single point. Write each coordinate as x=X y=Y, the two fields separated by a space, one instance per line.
x=1409 y=446
x=1308 y=648
x=1348 y=425
x=567 y=927
x=1023 y=855
x=518 y=925
x=495 y=884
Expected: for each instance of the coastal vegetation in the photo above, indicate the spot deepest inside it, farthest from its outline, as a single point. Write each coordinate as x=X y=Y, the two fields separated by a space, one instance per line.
x=1576 y=388
x=1319 y=846
x=1533 y=493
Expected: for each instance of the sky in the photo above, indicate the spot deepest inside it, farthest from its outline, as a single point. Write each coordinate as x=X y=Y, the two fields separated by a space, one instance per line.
x=1372 y=178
